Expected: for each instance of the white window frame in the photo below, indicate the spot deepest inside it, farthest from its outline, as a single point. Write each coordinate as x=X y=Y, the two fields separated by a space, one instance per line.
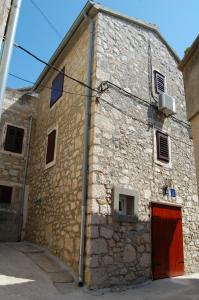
x=117 y=191
x=53 y=162
x=4 y=132
x=156 y=160
x=154 y=83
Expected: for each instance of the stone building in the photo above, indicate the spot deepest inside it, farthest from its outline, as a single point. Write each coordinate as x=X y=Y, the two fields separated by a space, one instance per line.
x=122 y=223
x=190 y=69
x=15 y=129
x=4 y=12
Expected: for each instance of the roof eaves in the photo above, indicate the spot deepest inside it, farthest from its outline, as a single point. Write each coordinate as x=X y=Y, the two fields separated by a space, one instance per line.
x=148 y=26
x=98 y=8
x=65 y=40
x=189 y=53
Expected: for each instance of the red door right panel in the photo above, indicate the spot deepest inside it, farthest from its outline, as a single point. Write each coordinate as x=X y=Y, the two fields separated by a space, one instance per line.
x=167 y=241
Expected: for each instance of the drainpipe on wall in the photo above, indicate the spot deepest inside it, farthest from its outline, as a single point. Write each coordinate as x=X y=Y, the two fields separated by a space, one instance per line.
x=23 y=210
x=86 y=152
x=7 y=49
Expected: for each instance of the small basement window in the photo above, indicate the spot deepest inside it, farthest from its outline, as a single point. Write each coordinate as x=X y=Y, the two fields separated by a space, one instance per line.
x=51 y=145
x=125 y=204
x=162 y=143
x=14 y=139
x=5 y=194
x=57 y=88
x=159 y=82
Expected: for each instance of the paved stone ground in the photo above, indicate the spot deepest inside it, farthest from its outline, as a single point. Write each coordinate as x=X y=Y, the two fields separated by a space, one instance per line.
x=28 y=272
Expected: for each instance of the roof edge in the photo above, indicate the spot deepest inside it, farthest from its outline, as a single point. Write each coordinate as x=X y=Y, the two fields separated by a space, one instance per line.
x=148 y=26
x=189 y=53
x=98 y=8
x=63 y=43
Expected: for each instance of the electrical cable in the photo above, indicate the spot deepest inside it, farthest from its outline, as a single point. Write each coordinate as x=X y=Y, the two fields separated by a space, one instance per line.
x=147 y=123
x=128 y=94
x=47 y=87
x=54 y=68
x=47 y=19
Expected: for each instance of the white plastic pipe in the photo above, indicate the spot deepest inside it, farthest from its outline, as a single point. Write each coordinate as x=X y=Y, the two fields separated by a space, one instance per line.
x=7 y=49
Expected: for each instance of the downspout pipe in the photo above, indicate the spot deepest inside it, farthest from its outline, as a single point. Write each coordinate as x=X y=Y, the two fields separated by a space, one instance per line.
x=86 y=153
x=7 y=48
x=22 y=223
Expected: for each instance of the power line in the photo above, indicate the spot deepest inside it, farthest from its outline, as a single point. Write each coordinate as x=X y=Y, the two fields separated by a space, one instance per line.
x=147 y=123
x=54 y=68
x=47 y=19
x=130 y=95
x=47 y=87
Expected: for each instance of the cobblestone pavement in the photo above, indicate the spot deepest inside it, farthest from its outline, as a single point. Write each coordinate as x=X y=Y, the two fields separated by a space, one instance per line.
x=28 y=272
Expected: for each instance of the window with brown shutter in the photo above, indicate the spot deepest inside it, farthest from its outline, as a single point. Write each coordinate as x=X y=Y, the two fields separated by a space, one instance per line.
x=5 y=194
x=14 y=139
x=57 y=87
x=50 y=154
x=162 y=141
x=159 y=82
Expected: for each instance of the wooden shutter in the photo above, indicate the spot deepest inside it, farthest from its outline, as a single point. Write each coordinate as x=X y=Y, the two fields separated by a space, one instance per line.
x=14 y=139
x=51 y=147
x=162 y=146
x=5 y=194
x=57 y=87
x=159 y=83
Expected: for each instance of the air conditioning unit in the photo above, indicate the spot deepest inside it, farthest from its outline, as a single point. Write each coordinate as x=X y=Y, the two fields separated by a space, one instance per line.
x=166 y=104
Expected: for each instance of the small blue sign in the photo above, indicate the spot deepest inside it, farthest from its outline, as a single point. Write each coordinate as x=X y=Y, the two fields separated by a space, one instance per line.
x=173 y=193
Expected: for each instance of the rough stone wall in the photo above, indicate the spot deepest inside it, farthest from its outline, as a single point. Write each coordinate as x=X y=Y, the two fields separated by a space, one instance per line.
x=4 y=11
x=123 y=154
x=56 y=192
x=16 y=111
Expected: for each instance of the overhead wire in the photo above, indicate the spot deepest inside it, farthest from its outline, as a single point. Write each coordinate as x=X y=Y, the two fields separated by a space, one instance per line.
x=47 y=19
x=147 y=123
x=54 y=68
x=47 y=87
x=132 y=96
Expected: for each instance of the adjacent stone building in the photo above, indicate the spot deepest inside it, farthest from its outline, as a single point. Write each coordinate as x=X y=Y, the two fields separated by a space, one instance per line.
x=190 y=69
x=15 y=129
x=4 y=13
x=141 y=199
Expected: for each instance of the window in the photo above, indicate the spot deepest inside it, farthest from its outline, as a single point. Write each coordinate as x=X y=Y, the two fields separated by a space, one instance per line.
x=5 y=194
x=51 y=143
x=159 y=82
x=162 y=142
x=57 y=88
x=125 y=204
x=14 y=139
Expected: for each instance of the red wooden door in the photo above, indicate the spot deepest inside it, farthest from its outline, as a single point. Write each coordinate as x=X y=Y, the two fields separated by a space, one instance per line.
x=167 y=241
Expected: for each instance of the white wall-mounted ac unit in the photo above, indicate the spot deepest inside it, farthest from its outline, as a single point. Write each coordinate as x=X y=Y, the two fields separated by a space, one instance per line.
x=166 y=104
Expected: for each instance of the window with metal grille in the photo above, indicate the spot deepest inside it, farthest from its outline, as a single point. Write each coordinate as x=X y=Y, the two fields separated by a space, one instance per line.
x=159 y=82
x=14 y=139
x=162 y=140
x=50 y=154
x=57 y=88
x=5 y=194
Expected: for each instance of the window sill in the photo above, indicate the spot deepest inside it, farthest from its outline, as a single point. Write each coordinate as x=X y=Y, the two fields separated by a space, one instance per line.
x=50 y=164
x=20 y=155
x=122 y=218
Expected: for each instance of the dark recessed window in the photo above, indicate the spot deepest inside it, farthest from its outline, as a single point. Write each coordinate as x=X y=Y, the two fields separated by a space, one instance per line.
x=5 y=194
x=50 y=154
x=159 y=82
x=162 y=141
x=14 y=139
x=126 y=205
x=57 y=88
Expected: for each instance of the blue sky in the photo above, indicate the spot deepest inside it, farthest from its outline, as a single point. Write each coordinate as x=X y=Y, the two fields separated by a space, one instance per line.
x=177 y=20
